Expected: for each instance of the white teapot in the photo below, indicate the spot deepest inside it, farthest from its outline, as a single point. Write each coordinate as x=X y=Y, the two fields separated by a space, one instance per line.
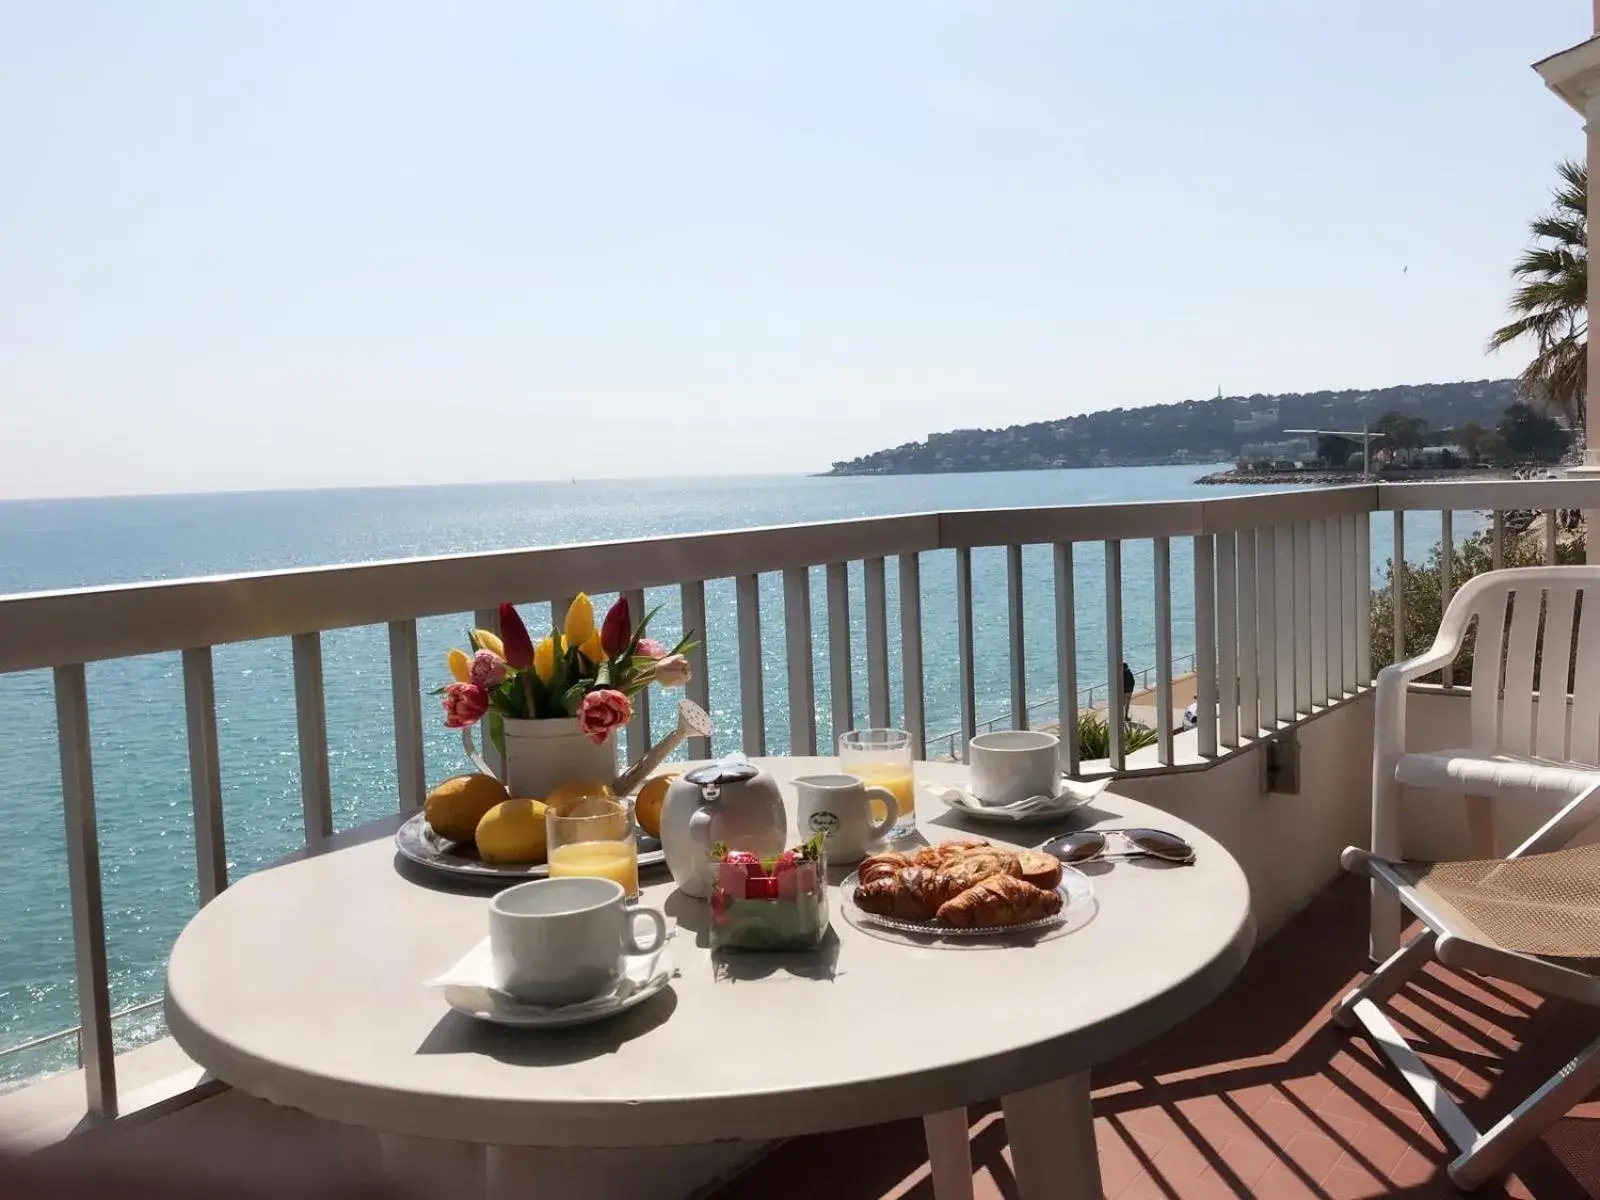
x=731 y=801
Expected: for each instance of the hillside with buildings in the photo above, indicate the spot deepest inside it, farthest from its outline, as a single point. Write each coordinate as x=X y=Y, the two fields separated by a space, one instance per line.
x=1221 y=429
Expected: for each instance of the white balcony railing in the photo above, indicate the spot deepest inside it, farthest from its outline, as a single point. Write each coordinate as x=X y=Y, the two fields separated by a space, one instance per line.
x=1272 y=601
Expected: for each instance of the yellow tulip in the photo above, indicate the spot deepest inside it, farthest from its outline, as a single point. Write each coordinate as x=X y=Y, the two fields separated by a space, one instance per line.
x=544 y=659
x=460 y=664
x=579 y=626
x=592 y=649
x=488 y=641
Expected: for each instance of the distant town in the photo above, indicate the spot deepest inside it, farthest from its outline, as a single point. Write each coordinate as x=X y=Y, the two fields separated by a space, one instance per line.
x=1430 y=426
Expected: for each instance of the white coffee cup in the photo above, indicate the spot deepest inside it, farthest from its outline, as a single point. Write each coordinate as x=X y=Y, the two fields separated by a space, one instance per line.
x=561 y=941
x=1012 y=765
x=840 y=808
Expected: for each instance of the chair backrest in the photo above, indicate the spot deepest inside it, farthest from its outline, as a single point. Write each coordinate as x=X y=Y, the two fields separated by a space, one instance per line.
x=1534 y=621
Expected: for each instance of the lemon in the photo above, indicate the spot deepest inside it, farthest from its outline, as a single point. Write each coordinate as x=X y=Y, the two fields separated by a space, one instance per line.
x=454 y=808
x=565 y=793
x=512 y=832
x=647 y=805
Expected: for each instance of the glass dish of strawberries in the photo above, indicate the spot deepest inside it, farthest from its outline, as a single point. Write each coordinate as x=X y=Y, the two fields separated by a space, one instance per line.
x=775 y=903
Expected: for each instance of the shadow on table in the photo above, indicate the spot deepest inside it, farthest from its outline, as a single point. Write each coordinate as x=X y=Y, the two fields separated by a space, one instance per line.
x=1029 y=833
x=820 y=965
x=456 y=1034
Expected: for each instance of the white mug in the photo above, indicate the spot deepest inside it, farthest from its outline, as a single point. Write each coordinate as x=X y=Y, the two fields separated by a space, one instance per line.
x=1013 y=765
x=562 y=941
x=840 y=808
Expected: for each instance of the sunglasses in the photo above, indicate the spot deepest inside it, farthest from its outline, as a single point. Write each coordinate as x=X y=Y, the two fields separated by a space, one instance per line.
x=1136 y=843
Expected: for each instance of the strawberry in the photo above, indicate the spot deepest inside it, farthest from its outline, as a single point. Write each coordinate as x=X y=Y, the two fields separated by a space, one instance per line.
x=744 y=861
x=761 y=887
x=787 y=861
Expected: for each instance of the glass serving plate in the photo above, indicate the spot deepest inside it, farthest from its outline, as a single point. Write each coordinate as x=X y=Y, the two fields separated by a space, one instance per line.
x=1076 y=892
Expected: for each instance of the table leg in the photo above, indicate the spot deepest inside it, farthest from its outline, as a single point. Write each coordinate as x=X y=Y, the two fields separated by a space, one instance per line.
x=949 y=1154
x=1051 y=1133
x=450 y=1168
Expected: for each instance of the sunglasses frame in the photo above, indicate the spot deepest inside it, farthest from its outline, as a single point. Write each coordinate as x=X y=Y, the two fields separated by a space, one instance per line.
x=1135 y=850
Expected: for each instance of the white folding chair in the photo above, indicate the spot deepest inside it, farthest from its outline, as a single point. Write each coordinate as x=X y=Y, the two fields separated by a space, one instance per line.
x=1532 y=919
x=1529 y=622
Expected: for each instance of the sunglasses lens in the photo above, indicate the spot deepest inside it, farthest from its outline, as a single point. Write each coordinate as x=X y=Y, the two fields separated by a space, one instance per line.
x=1162 y=845
x=1076 y=847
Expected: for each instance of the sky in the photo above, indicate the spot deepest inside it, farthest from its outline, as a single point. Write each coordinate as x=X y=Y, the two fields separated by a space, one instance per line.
x=276 y=244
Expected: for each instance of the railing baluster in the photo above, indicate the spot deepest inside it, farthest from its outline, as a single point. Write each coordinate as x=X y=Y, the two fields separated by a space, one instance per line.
x=1497 y=541
x=1117 y=701
x=1067 y=653
x=969 y=699
x=1354 y=587
x=83 y=876
x=1283 y=536
x=1249 y=625
x=1205 y=644
x=1163 y=616
x=841 y=693
x=877 y=643
x=639 y=723
x=405 y=686
x=1267 y=622
x=1335 y=612
x=1227 y=642
x=205 y=773
x=1550 y=537
x=1447 y=563
x=797 y=635
x=1397 y=582
x=1019 y=658
x=692 y=604
x=558 y=615
x=488 y=619
x=752 y=685
x=1317 y=593
x=1363 y=594
x=1300 y=626
x=916 y=723
x=311 y=727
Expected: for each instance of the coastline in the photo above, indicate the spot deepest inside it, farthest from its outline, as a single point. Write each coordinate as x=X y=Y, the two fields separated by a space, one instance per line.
x=1344 y=478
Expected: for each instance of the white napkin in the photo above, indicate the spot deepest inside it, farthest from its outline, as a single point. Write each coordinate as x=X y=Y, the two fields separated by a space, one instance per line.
x=474 y=972
x=1072 y=795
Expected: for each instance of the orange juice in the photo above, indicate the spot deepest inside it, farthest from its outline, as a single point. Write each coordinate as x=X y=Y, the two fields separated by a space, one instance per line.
x=602 y=860
x=895 y=777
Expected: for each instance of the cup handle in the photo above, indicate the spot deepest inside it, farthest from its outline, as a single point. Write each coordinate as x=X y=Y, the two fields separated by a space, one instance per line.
x=891 y=807
x=631 y=930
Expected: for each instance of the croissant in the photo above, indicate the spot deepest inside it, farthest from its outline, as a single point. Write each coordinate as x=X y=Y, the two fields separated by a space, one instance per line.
x=997 y=901
x=1040 y=869
x=910 y=894
x=978 y=865
x=944 y=852
x=879 y=866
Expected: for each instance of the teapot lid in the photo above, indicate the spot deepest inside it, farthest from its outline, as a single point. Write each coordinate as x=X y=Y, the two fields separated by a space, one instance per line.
x=728 y=770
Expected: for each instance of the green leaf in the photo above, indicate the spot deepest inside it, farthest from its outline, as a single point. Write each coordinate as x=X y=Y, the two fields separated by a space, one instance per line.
x=573 y=698
x=497 y=732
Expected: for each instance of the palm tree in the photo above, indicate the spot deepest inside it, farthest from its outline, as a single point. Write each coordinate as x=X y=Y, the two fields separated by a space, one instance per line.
x=1550 y=302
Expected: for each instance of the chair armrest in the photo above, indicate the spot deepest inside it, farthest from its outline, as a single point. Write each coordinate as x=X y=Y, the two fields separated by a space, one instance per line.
x=1440 y=654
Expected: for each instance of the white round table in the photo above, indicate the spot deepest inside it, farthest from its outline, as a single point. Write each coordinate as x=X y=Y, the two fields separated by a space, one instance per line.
x=302 y=985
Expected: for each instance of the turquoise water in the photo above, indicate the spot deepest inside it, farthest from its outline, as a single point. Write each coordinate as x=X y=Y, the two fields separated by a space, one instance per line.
x=136 y=705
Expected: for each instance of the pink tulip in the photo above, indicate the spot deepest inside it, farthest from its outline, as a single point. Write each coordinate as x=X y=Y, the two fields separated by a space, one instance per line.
x=464 y=704
x=651 y=648
x=673 y=671
x=488 y=670
x=602 y=711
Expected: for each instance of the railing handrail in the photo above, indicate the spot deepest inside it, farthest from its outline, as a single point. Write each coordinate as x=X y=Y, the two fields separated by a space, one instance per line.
x=52 y=628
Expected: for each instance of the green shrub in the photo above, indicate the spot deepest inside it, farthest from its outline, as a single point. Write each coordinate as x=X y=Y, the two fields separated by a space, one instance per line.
x=1094 y=737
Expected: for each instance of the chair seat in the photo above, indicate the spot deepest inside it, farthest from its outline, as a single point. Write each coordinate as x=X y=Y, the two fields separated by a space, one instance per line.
x=1473 y=773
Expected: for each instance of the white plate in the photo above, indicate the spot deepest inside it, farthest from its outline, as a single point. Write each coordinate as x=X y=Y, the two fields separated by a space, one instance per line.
x=1076 y=892
x=1073 y=797
x=416 y=841
x=495 y=1008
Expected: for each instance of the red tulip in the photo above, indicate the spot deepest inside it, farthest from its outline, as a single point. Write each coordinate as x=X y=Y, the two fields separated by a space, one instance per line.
x=617 y=631
x=519 y=646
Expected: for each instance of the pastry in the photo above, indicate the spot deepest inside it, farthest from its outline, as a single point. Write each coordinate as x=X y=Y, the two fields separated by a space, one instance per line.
x=944 y=852
x=1040 y=869
x=909 y=894
x=998 y=901
x=968 y=869
x=879 y=866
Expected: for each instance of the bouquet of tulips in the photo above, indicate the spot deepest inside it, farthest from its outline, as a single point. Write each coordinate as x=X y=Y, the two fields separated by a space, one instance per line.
x=580 y=670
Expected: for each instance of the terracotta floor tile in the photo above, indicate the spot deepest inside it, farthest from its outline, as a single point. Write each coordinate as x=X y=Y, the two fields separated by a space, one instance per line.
x=1258 y=1097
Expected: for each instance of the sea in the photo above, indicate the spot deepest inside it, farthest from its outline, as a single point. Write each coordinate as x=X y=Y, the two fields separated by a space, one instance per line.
x=136 y=705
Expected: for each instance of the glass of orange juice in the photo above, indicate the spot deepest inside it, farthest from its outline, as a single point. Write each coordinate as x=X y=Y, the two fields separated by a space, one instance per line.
x=591 y=835
x=882 y=758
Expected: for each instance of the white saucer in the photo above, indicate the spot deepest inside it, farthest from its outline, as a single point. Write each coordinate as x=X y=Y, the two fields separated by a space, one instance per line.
x=1034 y=810
x=467 y=989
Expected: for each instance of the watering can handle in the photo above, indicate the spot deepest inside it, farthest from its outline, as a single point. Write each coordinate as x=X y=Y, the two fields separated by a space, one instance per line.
x=472 y=751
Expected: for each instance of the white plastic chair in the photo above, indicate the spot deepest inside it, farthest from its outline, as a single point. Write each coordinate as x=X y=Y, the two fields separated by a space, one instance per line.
x=1523 y=618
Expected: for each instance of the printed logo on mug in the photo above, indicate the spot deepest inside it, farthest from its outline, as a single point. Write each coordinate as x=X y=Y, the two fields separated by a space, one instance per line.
x=824 y=822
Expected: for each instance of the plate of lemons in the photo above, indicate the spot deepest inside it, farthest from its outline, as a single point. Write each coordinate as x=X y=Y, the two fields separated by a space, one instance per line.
x=471 y=827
